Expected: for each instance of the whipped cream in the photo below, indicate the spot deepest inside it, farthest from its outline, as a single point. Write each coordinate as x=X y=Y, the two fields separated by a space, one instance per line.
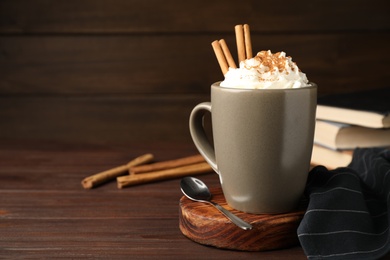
x=266 y=71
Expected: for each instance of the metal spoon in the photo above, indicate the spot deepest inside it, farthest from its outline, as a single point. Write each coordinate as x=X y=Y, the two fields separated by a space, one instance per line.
x=196 y=190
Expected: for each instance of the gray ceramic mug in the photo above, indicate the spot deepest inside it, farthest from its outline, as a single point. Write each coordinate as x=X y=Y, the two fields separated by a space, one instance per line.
x=263 y=140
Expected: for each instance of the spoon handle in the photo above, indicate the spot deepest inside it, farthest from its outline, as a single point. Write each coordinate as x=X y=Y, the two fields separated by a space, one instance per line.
x=236 y=220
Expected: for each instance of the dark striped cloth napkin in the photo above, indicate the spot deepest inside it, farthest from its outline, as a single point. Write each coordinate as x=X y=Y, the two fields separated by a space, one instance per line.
x=349 y=209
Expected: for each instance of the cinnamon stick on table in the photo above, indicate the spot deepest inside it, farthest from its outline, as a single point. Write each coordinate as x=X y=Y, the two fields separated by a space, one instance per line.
x=177 y=172
x=167 y=164
x=99 y=178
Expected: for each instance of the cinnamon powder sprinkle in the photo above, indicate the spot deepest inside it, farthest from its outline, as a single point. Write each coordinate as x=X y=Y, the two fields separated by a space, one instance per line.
x=272 y=61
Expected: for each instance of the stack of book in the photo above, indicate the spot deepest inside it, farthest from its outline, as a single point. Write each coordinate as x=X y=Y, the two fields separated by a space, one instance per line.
x=348 y=121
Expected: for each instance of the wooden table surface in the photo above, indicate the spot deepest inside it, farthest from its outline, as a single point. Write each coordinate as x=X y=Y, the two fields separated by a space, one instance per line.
x=45 y=212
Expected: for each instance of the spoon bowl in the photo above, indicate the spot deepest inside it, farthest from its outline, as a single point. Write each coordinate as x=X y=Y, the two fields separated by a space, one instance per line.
x=196 y=190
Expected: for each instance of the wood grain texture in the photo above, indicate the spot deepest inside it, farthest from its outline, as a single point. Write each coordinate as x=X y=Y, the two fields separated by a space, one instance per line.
x=128 y=65
x=103 y=71
x=46 y=214
x=204 y=224
x=138 y=16
x=97 y=119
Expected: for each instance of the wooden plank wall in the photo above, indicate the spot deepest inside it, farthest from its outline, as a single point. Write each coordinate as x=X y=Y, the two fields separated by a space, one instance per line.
x=121 y=71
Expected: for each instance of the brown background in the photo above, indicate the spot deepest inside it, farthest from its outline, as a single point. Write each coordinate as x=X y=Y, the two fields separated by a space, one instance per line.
x=112 y=71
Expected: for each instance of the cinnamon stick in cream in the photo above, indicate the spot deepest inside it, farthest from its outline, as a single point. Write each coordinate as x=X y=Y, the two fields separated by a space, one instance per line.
x=248 y=42
x=227 y=54
x=244 y=43
x=240 y=41
x=220 y=56
x=178 y=172
x=102 y=177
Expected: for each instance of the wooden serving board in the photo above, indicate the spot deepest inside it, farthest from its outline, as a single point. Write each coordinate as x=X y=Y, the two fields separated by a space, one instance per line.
x=204 y=224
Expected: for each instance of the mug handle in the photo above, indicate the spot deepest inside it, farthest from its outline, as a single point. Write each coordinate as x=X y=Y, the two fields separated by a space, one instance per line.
x=199 y=136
